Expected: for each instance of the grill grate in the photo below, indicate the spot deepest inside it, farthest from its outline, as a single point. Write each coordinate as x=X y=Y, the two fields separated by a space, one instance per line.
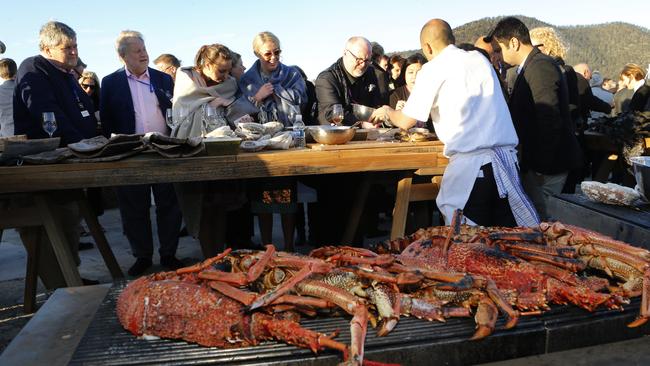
x=413 y=341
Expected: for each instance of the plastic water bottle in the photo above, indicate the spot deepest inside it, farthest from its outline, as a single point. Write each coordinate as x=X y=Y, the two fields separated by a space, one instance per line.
x=299 y=132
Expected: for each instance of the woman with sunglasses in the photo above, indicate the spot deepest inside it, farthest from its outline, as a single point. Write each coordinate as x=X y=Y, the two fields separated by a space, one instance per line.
x=278 y=90
x=89 y=82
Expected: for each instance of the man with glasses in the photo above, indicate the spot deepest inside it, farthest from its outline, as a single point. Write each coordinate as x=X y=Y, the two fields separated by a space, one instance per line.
x=168 y=64
x=349 y=80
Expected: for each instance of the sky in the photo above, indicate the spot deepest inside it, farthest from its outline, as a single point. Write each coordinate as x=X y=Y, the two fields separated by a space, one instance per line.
x=312 y=33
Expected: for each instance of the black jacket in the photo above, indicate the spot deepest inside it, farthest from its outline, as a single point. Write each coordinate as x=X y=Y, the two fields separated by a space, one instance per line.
x=589 y=102
x=382 y=82
x=539 y=105
x=641 y=99
x=336 y=86
x=41 y=87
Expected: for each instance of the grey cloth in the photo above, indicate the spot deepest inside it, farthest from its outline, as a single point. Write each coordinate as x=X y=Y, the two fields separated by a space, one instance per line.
x=7 y=108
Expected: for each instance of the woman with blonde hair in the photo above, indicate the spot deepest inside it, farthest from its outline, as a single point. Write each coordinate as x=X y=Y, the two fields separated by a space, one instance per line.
x=278 y=90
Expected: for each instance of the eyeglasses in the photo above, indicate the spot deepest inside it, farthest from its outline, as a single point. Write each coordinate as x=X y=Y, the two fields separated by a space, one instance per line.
x=267 y=55
x=88 y=86
x=360 y=61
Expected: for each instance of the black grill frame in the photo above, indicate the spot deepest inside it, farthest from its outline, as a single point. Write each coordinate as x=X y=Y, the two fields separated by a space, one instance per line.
x=412 y=342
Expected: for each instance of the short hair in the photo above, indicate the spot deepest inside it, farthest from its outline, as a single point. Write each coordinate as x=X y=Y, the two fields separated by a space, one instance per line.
x=53 y=34
x=633 y=71
x=8 y=68
x=508 y=28
x=552 y=41
x=396 y=58
x=236 y=57
x=377 y=51
x=123 y=40
x=169 y=59
x=416 y=58
x=209 y=54
x=90 y=75
x=262 y=38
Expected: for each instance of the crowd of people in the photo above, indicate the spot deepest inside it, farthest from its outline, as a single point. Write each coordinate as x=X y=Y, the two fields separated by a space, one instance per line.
x=509 y=111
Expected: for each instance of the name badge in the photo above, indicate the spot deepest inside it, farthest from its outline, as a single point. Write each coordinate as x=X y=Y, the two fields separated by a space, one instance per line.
x=85 y=113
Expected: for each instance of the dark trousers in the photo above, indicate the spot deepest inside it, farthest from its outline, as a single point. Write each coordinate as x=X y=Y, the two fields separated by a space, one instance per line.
x=484 y=206
x=134 y=202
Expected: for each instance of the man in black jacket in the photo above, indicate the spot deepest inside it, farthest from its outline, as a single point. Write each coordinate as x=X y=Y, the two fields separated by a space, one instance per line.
x=349 y=80
x=539 y=106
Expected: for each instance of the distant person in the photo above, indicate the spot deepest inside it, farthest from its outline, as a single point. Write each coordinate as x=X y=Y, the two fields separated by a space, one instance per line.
x=3 y=48
x=383 y=62
x=8 y=70
x=168 y=64
x=89 y=82
x=400 y=95
x=79 y=69
x=461 y=93
x=494 y=51
x=610 y=85
x=238 y=68
x=133 y=101
x=539 y=105
x=588 y=102
x=633 y=76
x=396 y=63
x=381 y=74
x=350 y=80
x=47 y=83
x=596 y=84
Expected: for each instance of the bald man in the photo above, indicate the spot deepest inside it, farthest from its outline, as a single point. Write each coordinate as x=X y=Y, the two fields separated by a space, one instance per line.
x=461 y=93
x=349 y=80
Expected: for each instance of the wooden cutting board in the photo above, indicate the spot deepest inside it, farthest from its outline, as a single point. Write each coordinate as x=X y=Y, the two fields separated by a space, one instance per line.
x=369 y=145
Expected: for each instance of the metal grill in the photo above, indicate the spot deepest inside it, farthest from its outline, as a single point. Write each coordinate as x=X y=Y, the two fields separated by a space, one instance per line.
x=412 y=342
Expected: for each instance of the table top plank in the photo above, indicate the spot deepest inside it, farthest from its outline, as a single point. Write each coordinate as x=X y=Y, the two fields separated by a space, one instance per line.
x=150 y=168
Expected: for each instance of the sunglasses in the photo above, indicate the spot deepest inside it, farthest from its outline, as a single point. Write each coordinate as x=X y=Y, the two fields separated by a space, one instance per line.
x=88 y=86
x=267 y=55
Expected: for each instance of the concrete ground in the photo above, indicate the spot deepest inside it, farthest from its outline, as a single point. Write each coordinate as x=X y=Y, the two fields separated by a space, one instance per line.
x=12 y=273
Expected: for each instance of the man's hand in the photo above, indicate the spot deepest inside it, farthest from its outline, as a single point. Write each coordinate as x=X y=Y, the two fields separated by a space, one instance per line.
x=380 y=114
x=264 y=92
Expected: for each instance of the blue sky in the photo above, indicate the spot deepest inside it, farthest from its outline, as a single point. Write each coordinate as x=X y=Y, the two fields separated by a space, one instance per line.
x=312 y=33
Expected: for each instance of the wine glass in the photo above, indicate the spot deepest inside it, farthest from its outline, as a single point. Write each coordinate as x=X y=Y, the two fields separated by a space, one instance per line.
x=337 y=114
x=211 y=118
x=169 y=118
x=49 y=123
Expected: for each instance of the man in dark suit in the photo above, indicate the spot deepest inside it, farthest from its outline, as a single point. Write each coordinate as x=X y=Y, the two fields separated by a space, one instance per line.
x=45 y=83
x=539 y=105
x=134 y=100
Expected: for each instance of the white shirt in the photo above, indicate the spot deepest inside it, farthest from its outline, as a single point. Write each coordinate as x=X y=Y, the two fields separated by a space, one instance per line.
x=148 y=117
x=461 y=92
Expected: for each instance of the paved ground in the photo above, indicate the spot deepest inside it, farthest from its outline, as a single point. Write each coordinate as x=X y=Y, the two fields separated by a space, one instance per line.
x=12 y=318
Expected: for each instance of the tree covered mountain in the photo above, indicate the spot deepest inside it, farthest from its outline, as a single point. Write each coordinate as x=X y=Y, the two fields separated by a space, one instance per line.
x=605 y=47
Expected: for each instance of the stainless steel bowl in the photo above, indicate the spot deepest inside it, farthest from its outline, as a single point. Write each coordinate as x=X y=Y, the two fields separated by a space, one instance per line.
x=362 y=112
x=331 y=135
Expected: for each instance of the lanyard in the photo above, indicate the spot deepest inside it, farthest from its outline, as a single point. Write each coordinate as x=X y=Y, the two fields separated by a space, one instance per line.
x=75 y=87
x=150 y=85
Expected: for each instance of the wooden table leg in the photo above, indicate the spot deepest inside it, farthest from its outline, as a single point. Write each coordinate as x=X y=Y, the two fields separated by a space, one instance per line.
x=59 y=242
x=357 y=210
x=31 y=241
x=400 y=211
x=100 y=238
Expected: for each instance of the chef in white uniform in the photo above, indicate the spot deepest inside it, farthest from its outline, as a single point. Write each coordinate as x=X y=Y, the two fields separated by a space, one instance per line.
x=462 y=94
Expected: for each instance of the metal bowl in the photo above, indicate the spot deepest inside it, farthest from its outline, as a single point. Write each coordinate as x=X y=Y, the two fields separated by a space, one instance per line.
x=362 y=112
x=332 y=135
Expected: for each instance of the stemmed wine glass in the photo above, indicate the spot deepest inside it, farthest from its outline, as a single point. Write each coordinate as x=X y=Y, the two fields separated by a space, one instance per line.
x=49 y=123
x=211 y=119
x=169 y=118
x=337 y=114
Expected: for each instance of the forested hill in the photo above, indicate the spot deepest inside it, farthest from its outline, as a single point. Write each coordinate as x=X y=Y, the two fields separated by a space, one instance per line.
x=605 y=47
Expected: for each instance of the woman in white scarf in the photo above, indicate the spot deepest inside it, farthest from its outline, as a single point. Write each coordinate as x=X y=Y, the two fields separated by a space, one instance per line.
x=207 y=84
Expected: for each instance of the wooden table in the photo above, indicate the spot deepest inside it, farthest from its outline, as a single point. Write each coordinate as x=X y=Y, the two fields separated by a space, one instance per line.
x=148 y=168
